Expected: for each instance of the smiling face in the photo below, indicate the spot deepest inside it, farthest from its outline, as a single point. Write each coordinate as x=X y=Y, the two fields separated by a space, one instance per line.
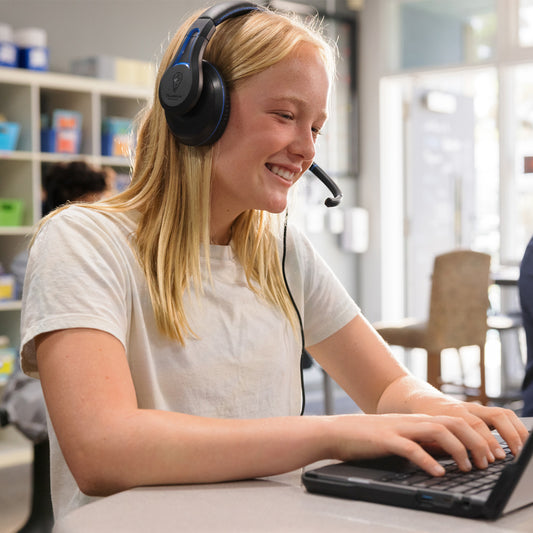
x=269 y=142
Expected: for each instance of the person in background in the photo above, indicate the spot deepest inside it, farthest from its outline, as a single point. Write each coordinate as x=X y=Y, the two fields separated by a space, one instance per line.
x=525 y=291
x=76 y=181
x=161 y=327
x=64 y=183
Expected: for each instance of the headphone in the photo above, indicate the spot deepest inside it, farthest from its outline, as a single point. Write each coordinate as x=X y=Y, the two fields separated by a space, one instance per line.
x=192 y=90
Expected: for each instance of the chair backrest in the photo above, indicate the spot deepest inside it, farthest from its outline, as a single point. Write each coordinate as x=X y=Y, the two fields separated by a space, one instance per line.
x=459 y=299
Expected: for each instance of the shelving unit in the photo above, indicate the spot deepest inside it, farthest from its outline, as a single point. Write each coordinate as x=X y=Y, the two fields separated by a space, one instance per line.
x=24 y=96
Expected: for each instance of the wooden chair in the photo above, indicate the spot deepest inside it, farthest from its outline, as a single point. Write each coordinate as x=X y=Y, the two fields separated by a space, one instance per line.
x=457 y=315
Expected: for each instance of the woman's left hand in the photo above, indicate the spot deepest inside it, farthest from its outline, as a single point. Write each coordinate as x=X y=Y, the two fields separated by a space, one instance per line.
x=483 y=419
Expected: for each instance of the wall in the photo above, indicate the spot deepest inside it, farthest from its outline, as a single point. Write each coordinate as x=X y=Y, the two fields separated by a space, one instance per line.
x=135 y=29
x=371 y=295
x=139 y=29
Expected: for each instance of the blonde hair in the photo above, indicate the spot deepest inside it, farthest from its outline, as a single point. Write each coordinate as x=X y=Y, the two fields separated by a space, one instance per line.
x=171 y=182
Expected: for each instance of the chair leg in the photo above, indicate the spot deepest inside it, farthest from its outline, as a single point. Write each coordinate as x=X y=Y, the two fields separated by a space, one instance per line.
x=433 y=371
x=483 y=398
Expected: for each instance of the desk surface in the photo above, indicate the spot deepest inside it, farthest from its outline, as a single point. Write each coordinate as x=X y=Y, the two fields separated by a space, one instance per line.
x=506 y=275
x=275 y=504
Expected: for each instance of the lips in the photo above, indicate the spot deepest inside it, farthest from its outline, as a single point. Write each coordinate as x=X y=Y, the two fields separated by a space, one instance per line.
x=281 y=172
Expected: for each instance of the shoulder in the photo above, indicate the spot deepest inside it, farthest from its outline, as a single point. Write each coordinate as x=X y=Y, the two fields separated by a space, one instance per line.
x=298 y=246
x=85 y=223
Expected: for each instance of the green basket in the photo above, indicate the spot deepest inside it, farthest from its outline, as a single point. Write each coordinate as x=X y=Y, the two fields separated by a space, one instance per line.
x=11 y=212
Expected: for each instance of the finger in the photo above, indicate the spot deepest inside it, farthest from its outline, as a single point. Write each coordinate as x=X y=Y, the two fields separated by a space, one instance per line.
x=489 y=449
x=511 y=429
x=474 y=436
x=508 y=425
x=412 y=451
x=476 y=417
x=436 y=434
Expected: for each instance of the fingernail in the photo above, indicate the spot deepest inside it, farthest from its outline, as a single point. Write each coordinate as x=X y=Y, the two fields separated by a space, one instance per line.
x=491 y=457
x=438 y=470
x=468 y=464
x=499 y=453
x=484 y=463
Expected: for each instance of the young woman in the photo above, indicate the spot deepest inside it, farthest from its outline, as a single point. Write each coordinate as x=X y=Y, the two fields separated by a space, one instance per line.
x=160 y=325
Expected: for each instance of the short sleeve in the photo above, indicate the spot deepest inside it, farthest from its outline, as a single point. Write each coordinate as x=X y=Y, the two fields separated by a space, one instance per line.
x=75 y=278
x=323 y=302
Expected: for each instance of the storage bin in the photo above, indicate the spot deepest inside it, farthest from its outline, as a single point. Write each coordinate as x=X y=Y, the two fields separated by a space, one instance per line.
x=9 y=134
x=7 y=287
x=32 y=50
x=116 y=136
x=11 y=212
x=64 y=137
x=60 y=141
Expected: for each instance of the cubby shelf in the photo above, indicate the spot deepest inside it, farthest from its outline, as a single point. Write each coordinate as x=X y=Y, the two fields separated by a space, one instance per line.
x=24 y=96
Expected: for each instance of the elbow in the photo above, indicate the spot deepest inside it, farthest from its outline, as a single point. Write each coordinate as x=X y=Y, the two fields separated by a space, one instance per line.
x=96 y=474
x=94 y=485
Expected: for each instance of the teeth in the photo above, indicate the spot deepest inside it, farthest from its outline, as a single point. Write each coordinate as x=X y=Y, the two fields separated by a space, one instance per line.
x=282 y=172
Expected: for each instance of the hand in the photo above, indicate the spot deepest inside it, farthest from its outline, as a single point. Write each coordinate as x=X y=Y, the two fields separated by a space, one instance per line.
x=369 y=436
x=483 y=419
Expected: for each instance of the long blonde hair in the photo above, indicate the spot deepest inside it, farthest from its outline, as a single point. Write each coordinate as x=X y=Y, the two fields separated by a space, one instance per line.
x=171 y=182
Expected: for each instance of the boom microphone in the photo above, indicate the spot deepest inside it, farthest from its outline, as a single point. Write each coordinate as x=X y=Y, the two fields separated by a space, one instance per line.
x=329 y=183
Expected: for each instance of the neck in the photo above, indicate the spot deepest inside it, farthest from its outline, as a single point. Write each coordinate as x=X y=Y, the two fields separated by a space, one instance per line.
x=221 y=236
x=221 y=224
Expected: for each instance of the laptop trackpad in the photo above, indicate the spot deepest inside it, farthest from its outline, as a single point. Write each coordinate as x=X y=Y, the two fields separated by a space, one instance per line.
x=371 y=468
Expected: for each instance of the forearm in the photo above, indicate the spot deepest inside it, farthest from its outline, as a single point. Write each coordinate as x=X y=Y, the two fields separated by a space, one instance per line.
x=157 y=447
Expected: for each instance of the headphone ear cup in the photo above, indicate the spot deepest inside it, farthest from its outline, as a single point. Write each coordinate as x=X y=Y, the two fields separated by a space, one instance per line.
x=205 y=123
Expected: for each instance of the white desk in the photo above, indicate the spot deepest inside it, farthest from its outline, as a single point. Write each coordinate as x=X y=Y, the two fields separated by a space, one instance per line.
x=276 y=504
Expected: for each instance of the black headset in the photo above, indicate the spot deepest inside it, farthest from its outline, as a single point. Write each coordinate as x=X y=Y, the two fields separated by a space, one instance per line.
x=193 y=93
x=192 y=90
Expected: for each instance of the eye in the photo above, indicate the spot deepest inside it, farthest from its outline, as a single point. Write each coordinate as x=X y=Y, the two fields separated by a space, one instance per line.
x=285 y=115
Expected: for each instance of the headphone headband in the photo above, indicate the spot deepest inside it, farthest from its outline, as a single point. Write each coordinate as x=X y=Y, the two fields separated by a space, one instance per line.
x=220 y=12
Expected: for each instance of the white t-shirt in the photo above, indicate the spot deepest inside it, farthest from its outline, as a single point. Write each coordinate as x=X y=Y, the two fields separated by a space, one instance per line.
x=244 y=360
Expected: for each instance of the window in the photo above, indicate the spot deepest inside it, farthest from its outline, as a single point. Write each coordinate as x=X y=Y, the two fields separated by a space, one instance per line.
x=525 y=23
x=436 y=33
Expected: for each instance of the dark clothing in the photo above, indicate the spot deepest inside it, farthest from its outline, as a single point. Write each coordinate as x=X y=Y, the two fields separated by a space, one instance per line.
x=525 y=288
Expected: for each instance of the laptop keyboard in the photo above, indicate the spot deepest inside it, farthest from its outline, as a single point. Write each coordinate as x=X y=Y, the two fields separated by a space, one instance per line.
x=476 y=481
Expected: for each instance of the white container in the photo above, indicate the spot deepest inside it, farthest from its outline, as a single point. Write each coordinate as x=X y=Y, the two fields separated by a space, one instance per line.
x=8 y=357
x=32 y=49
x=8 y=50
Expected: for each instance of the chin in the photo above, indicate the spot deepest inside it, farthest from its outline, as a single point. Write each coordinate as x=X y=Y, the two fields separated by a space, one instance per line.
x=277 y=208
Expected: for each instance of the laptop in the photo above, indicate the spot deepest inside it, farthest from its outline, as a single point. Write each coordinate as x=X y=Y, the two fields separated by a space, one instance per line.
x=505 y=486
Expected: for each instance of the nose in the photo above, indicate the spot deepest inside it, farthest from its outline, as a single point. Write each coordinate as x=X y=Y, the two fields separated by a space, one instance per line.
x=303 y=144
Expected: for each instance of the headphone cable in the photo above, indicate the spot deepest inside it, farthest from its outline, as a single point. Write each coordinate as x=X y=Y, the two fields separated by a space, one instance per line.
x=304 y=353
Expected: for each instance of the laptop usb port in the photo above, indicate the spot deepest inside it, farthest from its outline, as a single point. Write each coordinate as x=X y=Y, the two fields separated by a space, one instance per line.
x=434 y=500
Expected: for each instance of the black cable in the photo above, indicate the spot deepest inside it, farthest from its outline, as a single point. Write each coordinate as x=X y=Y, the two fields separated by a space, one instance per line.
x=304 y=353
